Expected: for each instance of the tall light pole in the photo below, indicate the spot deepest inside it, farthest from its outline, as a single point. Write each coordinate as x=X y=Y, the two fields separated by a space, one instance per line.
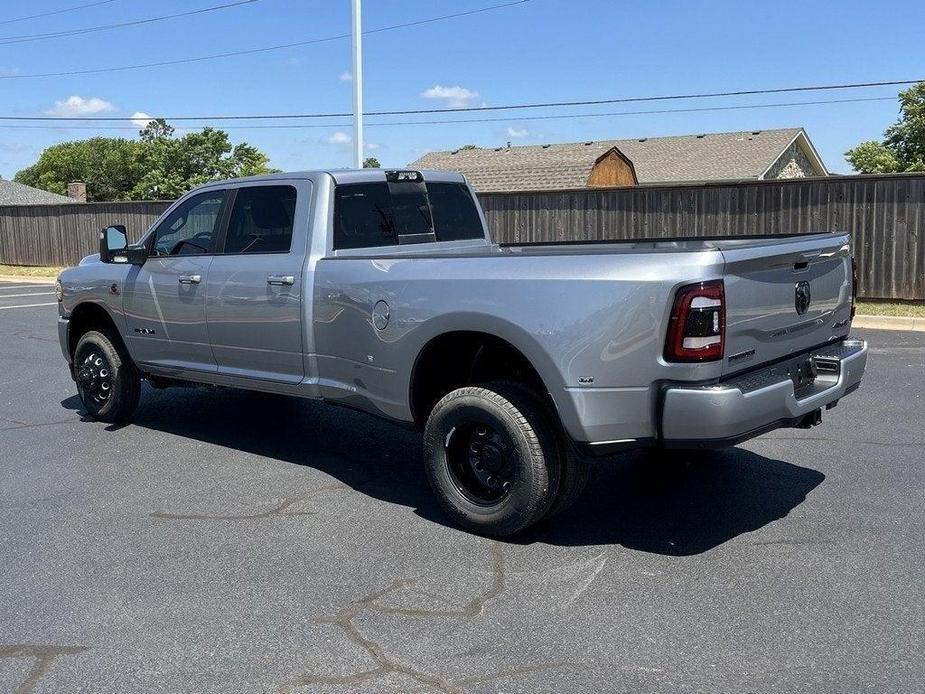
x=357 y=85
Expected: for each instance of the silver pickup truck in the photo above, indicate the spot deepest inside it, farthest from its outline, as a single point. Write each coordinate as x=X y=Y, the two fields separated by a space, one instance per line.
x=382 y=290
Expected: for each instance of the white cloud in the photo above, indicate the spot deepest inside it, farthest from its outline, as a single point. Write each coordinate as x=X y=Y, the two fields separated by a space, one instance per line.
x=340 y=138
x=455 y=97
x=345 y=77
x=141 y=119
x=515 y=132
x=79 y=106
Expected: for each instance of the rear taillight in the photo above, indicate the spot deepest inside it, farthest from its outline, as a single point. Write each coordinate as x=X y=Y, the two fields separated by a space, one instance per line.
x=697 y=329
x=854 y=286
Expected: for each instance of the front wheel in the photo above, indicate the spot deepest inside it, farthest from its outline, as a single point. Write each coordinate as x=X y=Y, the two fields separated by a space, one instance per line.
x=107 y=382
x=491 y=459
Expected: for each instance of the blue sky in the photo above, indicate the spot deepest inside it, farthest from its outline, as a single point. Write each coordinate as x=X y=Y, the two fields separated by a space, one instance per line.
x=543 y=50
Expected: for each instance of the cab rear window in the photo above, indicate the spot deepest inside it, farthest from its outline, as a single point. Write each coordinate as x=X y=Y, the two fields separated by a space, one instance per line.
x=368 y=215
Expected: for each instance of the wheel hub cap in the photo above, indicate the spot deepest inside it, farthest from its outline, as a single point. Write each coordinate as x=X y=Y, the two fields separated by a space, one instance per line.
x=94 y=378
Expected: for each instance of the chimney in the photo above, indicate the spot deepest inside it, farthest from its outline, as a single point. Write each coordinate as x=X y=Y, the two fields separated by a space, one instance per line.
x=508 y=144
x=77 y=191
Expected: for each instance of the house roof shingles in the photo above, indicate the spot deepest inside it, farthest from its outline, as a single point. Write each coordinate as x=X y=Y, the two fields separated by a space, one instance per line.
x=714 y=156
x=12 y=193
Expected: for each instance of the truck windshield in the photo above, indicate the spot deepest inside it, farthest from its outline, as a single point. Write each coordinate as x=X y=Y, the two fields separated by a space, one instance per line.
x=379 y=214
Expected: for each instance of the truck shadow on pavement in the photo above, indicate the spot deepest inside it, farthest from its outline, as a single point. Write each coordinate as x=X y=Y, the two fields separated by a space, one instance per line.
x=675 y=507
x=642 y=501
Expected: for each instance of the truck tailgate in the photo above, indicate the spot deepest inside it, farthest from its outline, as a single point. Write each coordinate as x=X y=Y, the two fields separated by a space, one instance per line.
x=784 y=296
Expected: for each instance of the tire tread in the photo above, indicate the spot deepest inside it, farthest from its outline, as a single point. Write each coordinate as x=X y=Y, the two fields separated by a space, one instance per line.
x=126 y=381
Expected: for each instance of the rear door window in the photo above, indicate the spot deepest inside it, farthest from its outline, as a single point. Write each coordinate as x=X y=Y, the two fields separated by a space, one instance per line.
x=261 y=220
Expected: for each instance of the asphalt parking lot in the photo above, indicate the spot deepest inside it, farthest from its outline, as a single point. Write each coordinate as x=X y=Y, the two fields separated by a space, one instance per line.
x=235 y=542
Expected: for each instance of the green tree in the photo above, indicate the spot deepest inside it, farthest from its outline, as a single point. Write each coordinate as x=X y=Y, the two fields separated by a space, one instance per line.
x=467 y=147
x=157 y=166
x=903 y=145
x=108 y=165
x=371 y=163
x=173 y=165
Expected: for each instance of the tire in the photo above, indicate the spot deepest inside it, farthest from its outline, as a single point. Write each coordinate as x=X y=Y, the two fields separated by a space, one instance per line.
x=107 y=382
x=479 y=432
x=573 y=470
x=572 y=481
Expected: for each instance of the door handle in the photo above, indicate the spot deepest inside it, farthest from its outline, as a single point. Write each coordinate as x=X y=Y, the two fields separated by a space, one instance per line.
x=189 y=279
x=280 y=280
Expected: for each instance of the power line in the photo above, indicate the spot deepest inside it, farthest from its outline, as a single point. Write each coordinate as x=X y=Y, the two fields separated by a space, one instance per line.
x=671 y=97
x=264 y=49
x=470 y=109
x=645 y=113
x=477 y=120
x=61 y=11
x=7 y=40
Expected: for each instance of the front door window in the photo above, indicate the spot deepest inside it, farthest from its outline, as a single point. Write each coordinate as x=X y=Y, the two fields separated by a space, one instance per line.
x=190 y=229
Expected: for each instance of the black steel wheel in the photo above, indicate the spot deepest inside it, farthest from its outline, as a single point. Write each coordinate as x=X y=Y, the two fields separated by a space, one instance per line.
x=481 y=460
x=107 y=382
x=491 y=458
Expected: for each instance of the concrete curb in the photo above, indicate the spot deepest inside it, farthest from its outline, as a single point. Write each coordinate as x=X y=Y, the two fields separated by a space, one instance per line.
x=889 y=323
x=27 y=280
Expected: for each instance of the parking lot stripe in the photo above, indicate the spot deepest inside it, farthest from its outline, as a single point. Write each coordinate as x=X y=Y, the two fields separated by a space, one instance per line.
x=4 y=308
x=26 y=286
x=13 y=296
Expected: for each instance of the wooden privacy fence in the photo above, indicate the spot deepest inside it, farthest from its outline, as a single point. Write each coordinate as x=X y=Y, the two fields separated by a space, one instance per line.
x=884 y=214
x=63 y=234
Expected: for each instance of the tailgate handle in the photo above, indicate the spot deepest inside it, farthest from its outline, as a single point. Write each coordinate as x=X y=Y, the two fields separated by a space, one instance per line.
x=806 y=257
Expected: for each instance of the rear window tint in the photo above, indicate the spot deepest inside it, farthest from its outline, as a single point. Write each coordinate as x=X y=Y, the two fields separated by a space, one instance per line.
x=456 y=218
x=367 y=215
x=363 y=216
x=410 y=208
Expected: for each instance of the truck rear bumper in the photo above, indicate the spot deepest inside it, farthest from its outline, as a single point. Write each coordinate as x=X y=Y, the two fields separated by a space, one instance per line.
x=780 y=395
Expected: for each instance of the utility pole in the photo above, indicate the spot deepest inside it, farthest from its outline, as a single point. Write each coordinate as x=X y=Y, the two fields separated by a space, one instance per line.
x=357 y=85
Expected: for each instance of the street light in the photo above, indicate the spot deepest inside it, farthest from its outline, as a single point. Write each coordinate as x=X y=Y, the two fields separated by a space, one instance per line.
x=357 y=86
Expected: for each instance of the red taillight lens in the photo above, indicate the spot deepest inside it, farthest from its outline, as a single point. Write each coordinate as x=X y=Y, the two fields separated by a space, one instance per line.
x=697 y=329
x=854 y=286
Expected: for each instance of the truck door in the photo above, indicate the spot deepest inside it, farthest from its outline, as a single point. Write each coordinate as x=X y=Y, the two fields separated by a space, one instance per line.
x=254 y=291
x=164 y=300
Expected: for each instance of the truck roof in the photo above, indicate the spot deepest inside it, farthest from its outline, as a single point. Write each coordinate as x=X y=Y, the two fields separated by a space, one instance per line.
x=348 y=176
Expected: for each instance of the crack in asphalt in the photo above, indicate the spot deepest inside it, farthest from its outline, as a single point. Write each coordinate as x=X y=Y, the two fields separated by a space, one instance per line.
x=278 y=510
x=387 y=664
x=43 y=656
x=768 y=543
x=29 y=335
x=27 y=425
